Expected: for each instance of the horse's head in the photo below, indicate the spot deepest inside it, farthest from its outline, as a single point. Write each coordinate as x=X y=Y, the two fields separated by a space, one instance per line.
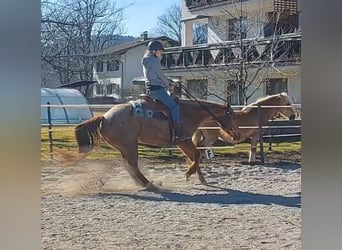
x=287 y=112
x=281 y=106
x=229 y=124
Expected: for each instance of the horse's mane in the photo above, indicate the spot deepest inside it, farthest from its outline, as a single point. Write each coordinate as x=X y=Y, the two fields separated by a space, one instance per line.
x=204 y=102
x=249 y=107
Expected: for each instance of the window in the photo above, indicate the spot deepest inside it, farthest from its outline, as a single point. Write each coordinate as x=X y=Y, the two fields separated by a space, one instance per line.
x=235 y=29
x=232 y=93
x=200 y=33
x=99 y=89
x=112 y=88
x=281 y=23
x=113 y=65
x=276 y=86
x=198 y=88
x=99 y=66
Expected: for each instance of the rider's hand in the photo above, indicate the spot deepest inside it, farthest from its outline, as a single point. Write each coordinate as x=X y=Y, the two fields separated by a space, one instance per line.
x=171 y=83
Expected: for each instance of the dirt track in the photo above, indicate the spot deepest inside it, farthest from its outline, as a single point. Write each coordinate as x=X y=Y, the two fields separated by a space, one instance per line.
x=96 y=205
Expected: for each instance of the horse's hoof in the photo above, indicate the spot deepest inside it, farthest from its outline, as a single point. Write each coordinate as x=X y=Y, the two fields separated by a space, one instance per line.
x=203 y=181
x=157 y=184
x=151 y=187
x=187 y=175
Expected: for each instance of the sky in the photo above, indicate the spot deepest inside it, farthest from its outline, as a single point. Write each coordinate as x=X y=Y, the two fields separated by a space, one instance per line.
x=142 y=14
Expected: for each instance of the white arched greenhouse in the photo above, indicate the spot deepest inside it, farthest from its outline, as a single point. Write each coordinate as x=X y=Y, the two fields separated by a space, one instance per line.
x=64 y=115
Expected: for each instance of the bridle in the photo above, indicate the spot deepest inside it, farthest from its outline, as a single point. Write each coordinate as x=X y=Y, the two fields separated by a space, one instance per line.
x=228 y=113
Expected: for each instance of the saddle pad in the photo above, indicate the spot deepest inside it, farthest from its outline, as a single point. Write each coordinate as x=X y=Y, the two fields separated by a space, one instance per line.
x=140 y=111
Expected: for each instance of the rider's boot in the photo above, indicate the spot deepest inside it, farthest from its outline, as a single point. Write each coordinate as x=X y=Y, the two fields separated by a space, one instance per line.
x=179 y=136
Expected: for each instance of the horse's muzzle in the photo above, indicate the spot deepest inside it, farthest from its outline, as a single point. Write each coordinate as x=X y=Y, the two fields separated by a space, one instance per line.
x=235 y=134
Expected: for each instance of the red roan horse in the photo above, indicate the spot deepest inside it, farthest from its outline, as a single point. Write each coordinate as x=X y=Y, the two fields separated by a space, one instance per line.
x=248 y=116
x=123 y=130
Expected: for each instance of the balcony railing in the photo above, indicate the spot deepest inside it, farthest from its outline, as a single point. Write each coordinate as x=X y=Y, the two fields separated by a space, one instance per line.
x=199 y=3
x=286 y=5
x=284 y=49
x=279 y=5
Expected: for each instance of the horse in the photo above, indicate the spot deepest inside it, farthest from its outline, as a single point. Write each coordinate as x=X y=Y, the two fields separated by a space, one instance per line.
x=122 y=129
x=248 y=116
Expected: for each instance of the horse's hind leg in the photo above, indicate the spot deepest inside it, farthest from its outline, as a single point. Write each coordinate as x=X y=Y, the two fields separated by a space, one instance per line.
x=127 y=144
x=193 y=154
x=252 y=152
x=130 y=154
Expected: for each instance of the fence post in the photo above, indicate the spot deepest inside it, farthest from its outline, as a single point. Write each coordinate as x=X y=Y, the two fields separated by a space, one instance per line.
x=261 y=139
x=203 y=59
x=270 y=136
x=50 y=132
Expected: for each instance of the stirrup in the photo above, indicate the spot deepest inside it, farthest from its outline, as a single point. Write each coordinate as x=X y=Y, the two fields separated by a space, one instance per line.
x=181 y=138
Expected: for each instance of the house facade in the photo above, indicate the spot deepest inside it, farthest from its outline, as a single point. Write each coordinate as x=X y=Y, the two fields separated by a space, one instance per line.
x=117 y=69
x=253 y=49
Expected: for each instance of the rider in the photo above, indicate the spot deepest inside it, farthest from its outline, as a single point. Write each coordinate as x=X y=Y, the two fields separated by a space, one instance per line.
x=156 y=83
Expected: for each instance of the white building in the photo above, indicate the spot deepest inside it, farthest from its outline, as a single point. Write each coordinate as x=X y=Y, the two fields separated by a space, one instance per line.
x=116 y=68
x=269 y=32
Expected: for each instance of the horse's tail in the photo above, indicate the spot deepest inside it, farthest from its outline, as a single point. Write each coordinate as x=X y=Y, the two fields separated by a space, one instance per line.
x=88 y=134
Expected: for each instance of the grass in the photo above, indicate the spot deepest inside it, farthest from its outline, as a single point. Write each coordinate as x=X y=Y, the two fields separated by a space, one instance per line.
x=63 y=138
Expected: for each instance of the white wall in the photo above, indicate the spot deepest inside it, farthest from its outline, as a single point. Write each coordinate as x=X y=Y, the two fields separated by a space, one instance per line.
x=187 y=33
x=294 y=87
x=234 y=8
x=107 y=76
x=218 y=85
x=217 y=30
x=132 y=68
x=185 y=10
x=132 y=64
x=217 y=24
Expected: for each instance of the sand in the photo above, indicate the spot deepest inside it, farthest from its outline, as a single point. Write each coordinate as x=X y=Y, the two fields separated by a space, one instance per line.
x=96 y=205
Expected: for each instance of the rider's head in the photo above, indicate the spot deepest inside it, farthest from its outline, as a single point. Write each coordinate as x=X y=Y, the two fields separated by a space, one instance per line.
x=155 y=48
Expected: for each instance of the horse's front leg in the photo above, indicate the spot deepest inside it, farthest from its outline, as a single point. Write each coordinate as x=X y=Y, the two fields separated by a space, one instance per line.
x=252 y=152
x=189 y=149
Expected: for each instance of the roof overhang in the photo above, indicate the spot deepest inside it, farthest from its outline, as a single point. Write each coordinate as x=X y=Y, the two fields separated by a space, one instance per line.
x=193 y=18
x=140 y=80
x=76 y=84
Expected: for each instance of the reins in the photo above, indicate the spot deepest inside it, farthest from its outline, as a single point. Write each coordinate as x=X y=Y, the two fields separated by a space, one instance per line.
x=190 y=96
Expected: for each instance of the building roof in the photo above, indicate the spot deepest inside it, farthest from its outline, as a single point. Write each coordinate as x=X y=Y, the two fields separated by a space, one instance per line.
x=76 y=84
x=123 y=47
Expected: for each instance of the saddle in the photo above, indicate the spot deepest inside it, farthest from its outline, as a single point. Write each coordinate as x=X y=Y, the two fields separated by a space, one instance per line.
x=148 y=107
x=155 y=105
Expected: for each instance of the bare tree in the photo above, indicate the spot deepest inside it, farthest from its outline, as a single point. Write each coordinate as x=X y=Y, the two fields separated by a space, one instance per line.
x=169 y=24
x=71 y=30
x=200 y=33
x=243 y=71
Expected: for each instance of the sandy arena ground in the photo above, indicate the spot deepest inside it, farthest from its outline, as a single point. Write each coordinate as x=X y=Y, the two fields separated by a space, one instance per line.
x=96 y=205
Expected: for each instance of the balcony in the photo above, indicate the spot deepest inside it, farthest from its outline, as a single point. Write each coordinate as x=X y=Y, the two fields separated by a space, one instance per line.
x=200 y=3
x=279 y=5
x=291 y=6
x=280 y=50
